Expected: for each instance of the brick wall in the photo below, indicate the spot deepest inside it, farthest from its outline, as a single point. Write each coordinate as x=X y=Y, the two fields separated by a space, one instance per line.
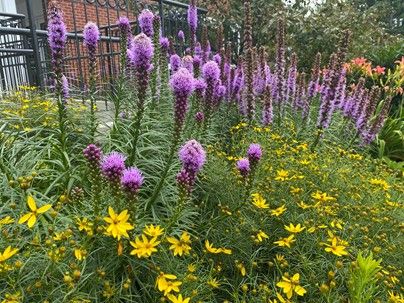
x=76 y=15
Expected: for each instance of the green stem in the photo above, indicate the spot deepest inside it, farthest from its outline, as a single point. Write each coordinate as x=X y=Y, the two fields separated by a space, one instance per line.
x=165 y=171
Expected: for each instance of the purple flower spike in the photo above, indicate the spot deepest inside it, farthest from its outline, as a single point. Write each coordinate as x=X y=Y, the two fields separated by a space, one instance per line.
x=91 y=36
x=131 y=180
x=182 y=85
x=192 y=17
x=112 y=166
x=192 y=156
x=254 y=153
x=65 y=89
x=165 y=44
x=175 y=63
x=243 y=166
x=93 y=154
x=181 y=36
x=141 y=52
x=146 y=22
x=211 y=72
x=188 y=63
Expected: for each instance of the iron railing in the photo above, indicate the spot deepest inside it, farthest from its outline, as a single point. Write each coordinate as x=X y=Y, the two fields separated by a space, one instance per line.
x=24 y=51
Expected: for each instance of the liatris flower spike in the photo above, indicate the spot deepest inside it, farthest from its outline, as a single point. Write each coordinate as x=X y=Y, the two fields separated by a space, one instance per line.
x=131 y=180
x=182 y=85
x=243 y=166
x=112 y=166
x=254 y=153
x=93 y=155
x=146 y=22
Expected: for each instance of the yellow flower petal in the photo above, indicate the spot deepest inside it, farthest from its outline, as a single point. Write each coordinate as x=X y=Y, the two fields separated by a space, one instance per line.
x=31 y=203
x=44 y=208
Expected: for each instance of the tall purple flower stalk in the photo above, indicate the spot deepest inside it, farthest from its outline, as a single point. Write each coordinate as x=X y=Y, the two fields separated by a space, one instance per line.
x=315 y=78
x=188 y=63
x=280 y=65
x=182 y=86
x=192 y=18
x=327 y=105
x=175 y=63
x=91 y=37
x=65 y=89
x=370 y=135
x=57 y=37
x=211 y=75
x=292 y=78
x=352 y=102
x=267 y=111
x=125 y=41
x=157 y=68
x=140 y=55
x=248 y=62
x=368 y=109
x=146 y=22
x=340 y=93
x=193 y=157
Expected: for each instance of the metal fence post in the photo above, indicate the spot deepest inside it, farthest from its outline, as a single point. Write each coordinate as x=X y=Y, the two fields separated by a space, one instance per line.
x=35 y=45
x=161 y=13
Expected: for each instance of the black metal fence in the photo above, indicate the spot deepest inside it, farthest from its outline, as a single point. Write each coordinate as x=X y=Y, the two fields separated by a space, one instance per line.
x=24 y=53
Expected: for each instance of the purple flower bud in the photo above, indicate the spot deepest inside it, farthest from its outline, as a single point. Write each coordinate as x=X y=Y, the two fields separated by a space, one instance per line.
x=188 y=63
x=200 y=86
x=181 y=36
x=146 y=22
x=112 y=166
x=243 y=166
x=175 y=63
x=254 y=153
x=131 y=180
x=165 y=44
x=65 y=89
x=217 y=58
x=199 y=117
x=193 y=156
x=93 y=154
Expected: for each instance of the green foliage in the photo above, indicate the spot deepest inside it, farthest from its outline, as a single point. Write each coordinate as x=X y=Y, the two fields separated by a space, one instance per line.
x=362 y=283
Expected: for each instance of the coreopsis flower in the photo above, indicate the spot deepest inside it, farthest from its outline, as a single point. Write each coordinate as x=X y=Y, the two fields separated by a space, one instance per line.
x=291 y=285
x=209 y=248
x=243 y=166
x=8 y=253
x=112 y=166
x=278 y=211
x=287 y=241
x=254 y=153
x=182 y=86
x=335 y=247
x=144 y=248
x=294 y=229
x=166 y=283
x=93 y=155
x=131 y=180
x=259 y=201
x=153 y=231
x=180 y=246
x=118 y=223
x=282 y=175
x=178 y=299
x=32 y=216
x=146 y=22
